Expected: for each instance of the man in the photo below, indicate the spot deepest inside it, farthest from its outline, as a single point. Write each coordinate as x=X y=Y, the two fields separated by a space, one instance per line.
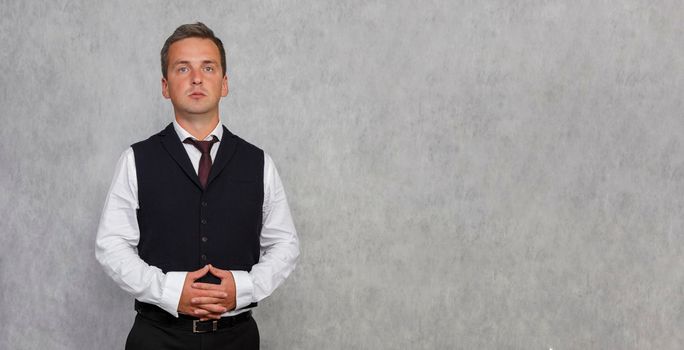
x=196 y=225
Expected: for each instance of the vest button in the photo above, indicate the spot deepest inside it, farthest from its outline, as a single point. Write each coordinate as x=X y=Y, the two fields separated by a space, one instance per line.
x=204 y=257
x=204 y=204
x=204 y=239
x=204 y=221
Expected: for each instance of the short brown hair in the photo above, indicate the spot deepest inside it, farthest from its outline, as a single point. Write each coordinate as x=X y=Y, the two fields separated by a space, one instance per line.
x=195 y=30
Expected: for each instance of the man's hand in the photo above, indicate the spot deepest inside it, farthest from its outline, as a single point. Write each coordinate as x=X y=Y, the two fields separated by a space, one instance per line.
x=206 y=303
x=209 y=302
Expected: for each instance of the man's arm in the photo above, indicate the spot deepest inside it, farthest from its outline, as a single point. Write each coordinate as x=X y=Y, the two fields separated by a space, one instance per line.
x=116 y=250
x=279 y=244
x=279 y=250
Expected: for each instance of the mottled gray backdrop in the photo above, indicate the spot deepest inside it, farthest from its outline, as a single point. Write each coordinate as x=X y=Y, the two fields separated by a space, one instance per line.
x=463 y=174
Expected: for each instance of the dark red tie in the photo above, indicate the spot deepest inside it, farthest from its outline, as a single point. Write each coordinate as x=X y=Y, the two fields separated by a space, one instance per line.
x=205 y=160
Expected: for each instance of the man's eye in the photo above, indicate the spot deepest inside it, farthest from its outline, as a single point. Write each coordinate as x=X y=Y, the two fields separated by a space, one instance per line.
x=208 y=69
x=182 y=69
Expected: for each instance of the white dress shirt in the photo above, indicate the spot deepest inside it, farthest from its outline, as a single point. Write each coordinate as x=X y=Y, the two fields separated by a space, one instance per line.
x=118 y=236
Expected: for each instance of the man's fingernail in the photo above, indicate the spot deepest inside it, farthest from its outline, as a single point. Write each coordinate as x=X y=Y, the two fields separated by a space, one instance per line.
x=224 y=295
x=194 y=300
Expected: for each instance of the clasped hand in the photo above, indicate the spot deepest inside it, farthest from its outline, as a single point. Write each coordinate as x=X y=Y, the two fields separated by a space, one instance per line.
x=206 y=300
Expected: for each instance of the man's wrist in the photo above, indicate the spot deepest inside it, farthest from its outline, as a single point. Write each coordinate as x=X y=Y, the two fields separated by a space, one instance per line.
x=244 y=289
x=173 y=288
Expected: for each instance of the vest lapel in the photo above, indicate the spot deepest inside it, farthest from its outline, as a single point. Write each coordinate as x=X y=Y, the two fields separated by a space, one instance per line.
x=225 y=152
x=172 y=145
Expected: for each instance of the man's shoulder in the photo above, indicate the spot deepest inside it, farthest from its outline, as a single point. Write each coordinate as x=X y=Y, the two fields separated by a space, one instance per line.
x=145 y=143
x=242 y=143
x=154 y=139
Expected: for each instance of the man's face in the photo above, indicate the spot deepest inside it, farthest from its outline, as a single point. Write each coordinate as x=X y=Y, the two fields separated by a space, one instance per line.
x=195 y=82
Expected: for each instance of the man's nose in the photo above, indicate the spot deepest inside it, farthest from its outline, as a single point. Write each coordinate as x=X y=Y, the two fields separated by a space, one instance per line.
x=196 y=78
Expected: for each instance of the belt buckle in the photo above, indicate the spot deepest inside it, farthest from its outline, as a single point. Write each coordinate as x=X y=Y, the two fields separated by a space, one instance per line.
x=214 y=326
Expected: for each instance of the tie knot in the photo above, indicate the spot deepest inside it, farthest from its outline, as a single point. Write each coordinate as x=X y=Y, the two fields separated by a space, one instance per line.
x=202 y=146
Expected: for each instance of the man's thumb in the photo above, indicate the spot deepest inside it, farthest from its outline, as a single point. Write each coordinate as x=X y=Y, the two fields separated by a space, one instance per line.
x=199 y=273
x=217 y=272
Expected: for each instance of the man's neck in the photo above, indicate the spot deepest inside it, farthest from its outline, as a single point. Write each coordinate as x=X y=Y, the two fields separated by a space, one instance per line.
x=199 y=128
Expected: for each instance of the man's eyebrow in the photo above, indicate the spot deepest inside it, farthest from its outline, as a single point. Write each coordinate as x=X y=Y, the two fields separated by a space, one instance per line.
x=188 y=62
x=180 y=62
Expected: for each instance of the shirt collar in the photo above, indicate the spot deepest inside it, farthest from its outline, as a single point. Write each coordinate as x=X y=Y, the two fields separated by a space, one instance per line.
x=184 y=134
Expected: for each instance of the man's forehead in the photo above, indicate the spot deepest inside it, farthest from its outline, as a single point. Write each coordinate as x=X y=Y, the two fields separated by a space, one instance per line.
x=194 y=49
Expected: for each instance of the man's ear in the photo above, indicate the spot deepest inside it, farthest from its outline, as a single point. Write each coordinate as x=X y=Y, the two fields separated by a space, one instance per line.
x=224 y=86
x=165 y=88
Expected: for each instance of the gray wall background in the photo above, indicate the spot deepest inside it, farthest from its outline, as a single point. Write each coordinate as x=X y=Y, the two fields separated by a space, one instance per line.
x=463 y=174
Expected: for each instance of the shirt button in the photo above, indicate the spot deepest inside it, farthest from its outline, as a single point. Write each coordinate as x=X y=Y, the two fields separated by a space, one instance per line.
x=204 y=239
x=204 y=257
x=204 y=221
x=204 y=204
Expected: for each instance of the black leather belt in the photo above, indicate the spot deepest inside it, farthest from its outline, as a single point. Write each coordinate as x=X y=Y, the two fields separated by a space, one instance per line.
x=184 y=322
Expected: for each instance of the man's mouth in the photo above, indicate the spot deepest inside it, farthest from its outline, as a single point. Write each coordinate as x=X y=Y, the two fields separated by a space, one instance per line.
x=197 y=94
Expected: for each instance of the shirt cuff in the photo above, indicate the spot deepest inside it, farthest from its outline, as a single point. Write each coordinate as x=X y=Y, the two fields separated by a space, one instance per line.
x=173 y=287
x=244 y=289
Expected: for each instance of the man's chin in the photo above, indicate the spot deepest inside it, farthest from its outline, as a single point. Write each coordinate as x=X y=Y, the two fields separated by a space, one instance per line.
x=198 y=112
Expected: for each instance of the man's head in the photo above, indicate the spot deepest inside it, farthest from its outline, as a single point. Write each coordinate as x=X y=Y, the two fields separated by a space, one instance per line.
x=195 y=30
x=193 y=65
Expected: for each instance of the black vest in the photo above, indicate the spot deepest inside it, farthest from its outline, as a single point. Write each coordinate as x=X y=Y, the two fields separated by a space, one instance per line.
x=182 y=227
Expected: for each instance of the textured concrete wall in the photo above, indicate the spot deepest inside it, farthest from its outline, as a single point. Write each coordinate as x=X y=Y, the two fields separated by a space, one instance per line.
x=463 y=174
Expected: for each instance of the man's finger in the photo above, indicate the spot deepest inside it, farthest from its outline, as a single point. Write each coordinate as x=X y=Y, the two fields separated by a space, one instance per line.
x=206 y=300
x=200 y=312
x=204 y=314
x=211 y=293
x=205 y=309
x=210 y=317
x=207 y=286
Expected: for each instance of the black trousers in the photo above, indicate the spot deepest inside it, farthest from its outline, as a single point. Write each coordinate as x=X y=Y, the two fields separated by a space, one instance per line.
x=151 y=334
